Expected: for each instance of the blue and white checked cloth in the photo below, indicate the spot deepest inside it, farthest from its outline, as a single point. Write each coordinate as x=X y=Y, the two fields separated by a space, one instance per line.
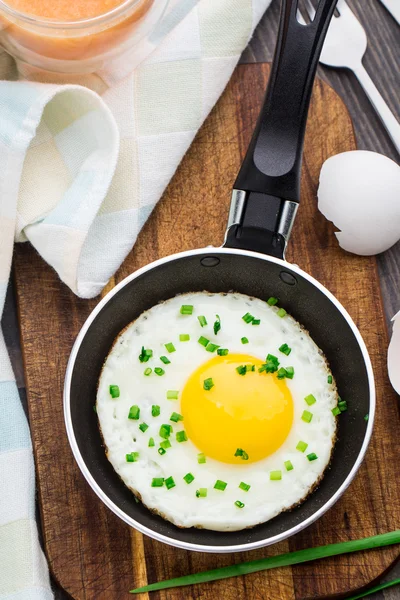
x=81 y=169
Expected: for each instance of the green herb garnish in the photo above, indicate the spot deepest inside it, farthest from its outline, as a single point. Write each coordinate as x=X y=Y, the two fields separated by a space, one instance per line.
x=188 y=478
x=159 y=371
x=143 y=427
x=175 y=417
x=212 y=347
x=301 y=446
x=147 y=371
x=132 y=457
x=217 y=324
x=172 y=394
x=306 y=416
x=114 y=391
x=203 y=341
x=184 y=337
x=247 y=318
x=220 y=485
x=208 y=384
x=134 y=412
x=243 y=455
x=202 y=321
x=244 y=486
x=272 y=301
x=281 y=313
x=285 y=349
x=157 y=482
x=288 y=465
x=181 y=436
x=310 y=399
x=244 y=340
x=170 y=347
x=155 y=410
x=201 y=493
x=239 y=504
x=145 y=355
x=312 y=456
x=186 y=309
x=222 y=351
x=201 y=458
x=165 y=430
x=165 y=359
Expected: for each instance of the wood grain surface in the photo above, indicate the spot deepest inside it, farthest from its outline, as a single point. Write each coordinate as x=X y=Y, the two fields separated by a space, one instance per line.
x=92 y=554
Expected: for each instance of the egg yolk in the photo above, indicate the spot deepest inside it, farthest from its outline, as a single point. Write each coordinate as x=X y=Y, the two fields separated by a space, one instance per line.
x=252 y=412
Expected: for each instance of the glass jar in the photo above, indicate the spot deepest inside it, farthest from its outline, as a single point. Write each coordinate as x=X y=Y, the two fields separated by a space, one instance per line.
x=81 y=46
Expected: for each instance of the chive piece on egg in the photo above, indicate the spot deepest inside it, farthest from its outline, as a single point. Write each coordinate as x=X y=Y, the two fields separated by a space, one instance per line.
x=145 y=355
x=201 y=493
x=175 y=417
x=208 y=384
x=273 y=359
x=165 y=360
x=247 y=318
x=312 y=456
x=281 y=313
x=132 y=457
x=217 y=324
x=151 y=443
x=203 y=341
x=244 y=486
x=310 y=399
x=159 y=371
x=243 y=455
x=188 y=478
x=143 y=427
x=211 y=347
x=181 y=436
x=161 y=451
x=241 y=370
x=272 y=301
x=172 y=394
x=285 y=349
x=170 y=483
x=239 y=504
x=134 y=412
x=157 y=482
x=184 y=337
x=336 y=411
x=170 y=347
x=306 y=416
x=186 y=309
x=147 y=371
x=250 y=367
x=222 y=351
x=165 y=431
x=330 y=378
x=256 y=321
x=281 y=373
x=288 y=465
x=201 y=458
x=289 y=372
x=342 y=405
x=155 y=410
x=114 y=391
x=275 y=475
x=244 y=340
x=165 y=444
x=202 y=321
x=220 y=485
x=301 y=446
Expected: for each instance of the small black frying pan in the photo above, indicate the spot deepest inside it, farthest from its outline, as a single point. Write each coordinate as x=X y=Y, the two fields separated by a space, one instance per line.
x=264 y=203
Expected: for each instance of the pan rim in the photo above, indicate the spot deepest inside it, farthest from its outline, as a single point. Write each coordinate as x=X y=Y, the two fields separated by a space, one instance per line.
x=168 y=539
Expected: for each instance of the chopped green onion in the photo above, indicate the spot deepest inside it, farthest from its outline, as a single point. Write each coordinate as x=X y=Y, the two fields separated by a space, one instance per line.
x=301 y=446
x=239 y=504
x=212 y=347
x=157 y=482
x=342 y=405
x=281 y=313
x=244 y=486
x=151 y=443
x=289 y=372
x=147 y=371
x=241 y=370
x=269 y=367
x=165 y=431
x=184 y=337
x=208 y=383
x=275 y=475
x=161 y=451
x=94 y=408
x=220 y=485
x=272 y=301
x=202 y=321
x=217 y=325
x=170 y=347
x=201 y=493
x=114 y=391
x=172 y=394
x=155 y=410
x=186 y=309
x=188 y=478
x=132 y=457
x=312 y=456
x=306 y=416
x=247 y=318
x=285 y=349
x=134 y=412
x=143 y=427
x=330 y=379
x=181 y=436
x=336 y=411
x=159 y=371
x=222 y=351
x=250 y=367
x=288 y=465
x=366 y=417
x=310 y=399
x=170 y=483
x=165 y=444
x=203 y=341
x=165 y=360
x=256 y=321
x=244 y=340
x=243 y=455
x=145 y=355
x=175 y=417
x=273 y=359
x=201 y=458
x=281 y=373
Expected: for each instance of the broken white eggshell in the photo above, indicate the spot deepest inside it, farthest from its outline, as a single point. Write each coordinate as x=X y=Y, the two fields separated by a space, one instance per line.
x=394 y=354
x=359 y=192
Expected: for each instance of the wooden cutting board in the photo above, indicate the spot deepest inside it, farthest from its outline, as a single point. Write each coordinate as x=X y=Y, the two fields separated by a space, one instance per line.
x=92 y=554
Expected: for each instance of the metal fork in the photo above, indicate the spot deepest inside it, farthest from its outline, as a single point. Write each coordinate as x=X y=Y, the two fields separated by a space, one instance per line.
x=344 y=47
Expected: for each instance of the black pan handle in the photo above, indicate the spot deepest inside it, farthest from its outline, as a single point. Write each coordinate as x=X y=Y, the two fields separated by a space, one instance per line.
x=267 y=189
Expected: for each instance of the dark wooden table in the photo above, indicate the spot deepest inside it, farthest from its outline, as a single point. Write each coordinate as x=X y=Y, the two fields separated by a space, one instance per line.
x=382 y=61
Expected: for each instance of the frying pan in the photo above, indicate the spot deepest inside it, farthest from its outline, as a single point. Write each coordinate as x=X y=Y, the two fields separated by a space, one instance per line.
x=264 y=203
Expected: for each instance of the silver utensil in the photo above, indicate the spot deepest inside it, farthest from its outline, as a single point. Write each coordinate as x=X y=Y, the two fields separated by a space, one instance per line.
x=393 y=6
x=344 y=47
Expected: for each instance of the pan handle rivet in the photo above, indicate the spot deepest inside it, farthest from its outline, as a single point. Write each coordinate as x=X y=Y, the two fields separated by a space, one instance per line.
x=288 y=278
x=210 y=261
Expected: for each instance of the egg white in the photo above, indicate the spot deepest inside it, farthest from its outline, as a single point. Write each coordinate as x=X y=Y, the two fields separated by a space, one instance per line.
x=162 y=324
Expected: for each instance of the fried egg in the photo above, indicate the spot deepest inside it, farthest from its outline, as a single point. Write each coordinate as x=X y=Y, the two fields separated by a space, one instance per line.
x=217 y=410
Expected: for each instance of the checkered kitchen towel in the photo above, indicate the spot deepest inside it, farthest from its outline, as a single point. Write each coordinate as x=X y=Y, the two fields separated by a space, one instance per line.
x=80 y=172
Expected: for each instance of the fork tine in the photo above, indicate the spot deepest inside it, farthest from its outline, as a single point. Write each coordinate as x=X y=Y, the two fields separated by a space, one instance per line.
x=300 y=17
x=310 y=9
